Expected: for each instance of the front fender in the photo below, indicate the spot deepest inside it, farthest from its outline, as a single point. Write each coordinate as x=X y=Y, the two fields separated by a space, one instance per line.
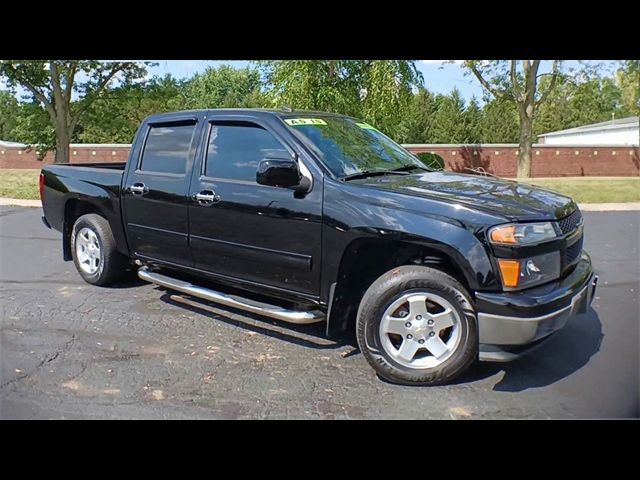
x=352 y=213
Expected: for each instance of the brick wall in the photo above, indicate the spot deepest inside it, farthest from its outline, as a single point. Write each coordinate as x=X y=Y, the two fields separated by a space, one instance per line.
x=547 y=161
x=498 y=159
x=11 y=157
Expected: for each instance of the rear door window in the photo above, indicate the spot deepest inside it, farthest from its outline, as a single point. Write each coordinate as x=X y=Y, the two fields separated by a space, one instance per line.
x=166 y=149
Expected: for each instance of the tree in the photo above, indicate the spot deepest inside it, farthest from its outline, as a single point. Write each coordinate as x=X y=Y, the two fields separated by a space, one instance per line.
x=224 y=87
x=582 y=101
x=473 y=122
x=499 y=123
x=117 y=114
x=378 y=91
x=386 y=90
x=8 y=112
x=53 y=83
x=628 y=80
x=505 y=81
x=417 y=122
x=33 y=126
x=449 y=119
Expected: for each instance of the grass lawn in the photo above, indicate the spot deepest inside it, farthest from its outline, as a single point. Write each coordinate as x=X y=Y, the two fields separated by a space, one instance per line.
x=16 y=183
x=594 y=189
x=19 y=183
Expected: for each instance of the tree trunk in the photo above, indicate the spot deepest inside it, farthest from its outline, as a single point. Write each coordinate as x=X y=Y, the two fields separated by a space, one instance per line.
x=526 y=142
x=62 y=143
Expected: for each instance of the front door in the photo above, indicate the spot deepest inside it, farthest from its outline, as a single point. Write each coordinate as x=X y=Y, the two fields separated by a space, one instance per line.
x=155 y=197
x=261 y=234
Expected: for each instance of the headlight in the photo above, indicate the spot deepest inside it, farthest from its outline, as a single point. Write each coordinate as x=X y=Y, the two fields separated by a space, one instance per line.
x=527 y=272
x=521 y=233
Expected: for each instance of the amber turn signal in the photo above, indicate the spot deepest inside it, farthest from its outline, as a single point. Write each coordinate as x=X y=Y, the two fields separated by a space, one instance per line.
x=504 y=234
x=510 y=272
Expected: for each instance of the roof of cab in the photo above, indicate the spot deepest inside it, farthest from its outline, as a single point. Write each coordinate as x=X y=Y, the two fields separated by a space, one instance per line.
x=282 y=113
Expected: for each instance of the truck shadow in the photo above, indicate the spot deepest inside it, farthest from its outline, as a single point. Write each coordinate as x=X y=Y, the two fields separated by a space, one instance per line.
x=309 y=336
x=129 y=280
x=565 y=353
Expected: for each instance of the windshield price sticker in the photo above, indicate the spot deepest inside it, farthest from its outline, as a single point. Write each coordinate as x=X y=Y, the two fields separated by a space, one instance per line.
x=366 y=126
x=294 y=122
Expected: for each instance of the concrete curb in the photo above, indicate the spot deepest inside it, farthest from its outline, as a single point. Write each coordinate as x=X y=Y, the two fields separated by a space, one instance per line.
x=610 y=207
x=15 y=202
x=586 y=207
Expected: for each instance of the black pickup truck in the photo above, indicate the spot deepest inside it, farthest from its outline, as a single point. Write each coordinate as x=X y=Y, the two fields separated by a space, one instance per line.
x=314 y=217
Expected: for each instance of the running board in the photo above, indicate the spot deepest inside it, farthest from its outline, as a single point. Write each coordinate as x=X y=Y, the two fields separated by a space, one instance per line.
x=259 y=308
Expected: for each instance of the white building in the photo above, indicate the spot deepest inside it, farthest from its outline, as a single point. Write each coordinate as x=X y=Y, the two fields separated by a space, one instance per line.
x=622 y=131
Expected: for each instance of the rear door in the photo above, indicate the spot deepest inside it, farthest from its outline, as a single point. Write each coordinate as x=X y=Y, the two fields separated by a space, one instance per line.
x=261 y=234
x=154 y=196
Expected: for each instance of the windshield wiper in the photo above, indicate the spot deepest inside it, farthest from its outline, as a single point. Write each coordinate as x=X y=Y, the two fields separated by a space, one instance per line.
x=371 y=173
x=406 y=168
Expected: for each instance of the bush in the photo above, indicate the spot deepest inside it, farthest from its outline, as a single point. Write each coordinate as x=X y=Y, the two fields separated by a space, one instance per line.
x=432 y=160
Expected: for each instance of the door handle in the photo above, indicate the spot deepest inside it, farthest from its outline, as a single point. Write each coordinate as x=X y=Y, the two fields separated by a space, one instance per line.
x=138 y=188
x=206 y=197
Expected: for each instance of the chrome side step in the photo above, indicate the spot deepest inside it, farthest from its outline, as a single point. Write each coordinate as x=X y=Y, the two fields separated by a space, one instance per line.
x=259 y=308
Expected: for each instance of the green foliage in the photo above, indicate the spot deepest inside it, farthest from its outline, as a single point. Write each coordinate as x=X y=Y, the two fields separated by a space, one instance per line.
x=499 y=123
x=417 y=122
x=591 y=100
x=432 y=160
x=224 y=87
x=473 y=122
x=33 y=127
x=449 y=125
x=386 y=93
x=64 y=89
x=8 y=114
x=326 y=85
x=115 y=117
x=377 y=91
x=628 y=81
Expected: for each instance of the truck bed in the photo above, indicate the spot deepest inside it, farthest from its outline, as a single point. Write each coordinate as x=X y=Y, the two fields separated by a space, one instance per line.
x=98 y=183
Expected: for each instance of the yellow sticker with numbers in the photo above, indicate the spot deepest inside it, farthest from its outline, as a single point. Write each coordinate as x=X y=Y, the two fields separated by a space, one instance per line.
x=304 y=121
x=366 y=126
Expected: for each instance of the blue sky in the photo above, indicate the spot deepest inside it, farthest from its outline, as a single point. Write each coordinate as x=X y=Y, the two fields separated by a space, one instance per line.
x=438 y=76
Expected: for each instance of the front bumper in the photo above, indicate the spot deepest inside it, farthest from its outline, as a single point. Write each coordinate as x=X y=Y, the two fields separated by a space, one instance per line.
x=511 y=324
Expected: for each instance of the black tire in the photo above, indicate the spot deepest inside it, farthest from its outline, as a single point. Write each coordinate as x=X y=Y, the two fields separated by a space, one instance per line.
x=112 y=263
x=391 y=286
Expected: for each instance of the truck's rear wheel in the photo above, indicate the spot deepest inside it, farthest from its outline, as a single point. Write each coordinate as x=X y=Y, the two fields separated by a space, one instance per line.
x=417 y=326
x=94 y=251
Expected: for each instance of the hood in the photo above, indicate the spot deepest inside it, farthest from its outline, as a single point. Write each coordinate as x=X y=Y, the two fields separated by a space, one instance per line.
x=517 y=201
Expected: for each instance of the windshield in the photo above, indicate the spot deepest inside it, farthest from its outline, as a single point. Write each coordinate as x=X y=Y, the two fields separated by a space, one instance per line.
x=349 y=147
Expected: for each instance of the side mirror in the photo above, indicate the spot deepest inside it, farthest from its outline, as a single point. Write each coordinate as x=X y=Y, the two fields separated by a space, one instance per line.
x=279 y=172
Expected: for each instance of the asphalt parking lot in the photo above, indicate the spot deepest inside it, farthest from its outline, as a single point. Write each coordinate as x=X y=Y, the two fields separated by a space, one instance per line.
x=70 y=350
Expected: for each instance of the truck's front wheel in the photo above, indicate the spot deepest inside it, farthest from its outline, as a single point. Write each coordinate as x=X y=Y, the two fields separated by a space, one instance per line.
x=417 y=326
x=94 y=250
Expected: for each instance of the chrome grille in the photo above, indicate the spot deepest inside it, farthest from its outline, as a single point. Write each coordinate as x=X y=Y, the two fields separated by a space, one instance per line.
x=569 y=224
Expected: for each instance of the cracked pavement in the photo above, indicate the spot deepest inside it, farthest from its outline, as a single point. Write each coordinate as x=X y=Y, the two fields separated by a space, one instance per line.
x=70 y=350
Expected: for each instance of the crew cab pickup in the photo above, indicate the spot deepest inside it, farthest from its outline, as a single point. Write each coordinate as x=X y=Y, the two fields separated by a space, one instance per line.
x=314 y=217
